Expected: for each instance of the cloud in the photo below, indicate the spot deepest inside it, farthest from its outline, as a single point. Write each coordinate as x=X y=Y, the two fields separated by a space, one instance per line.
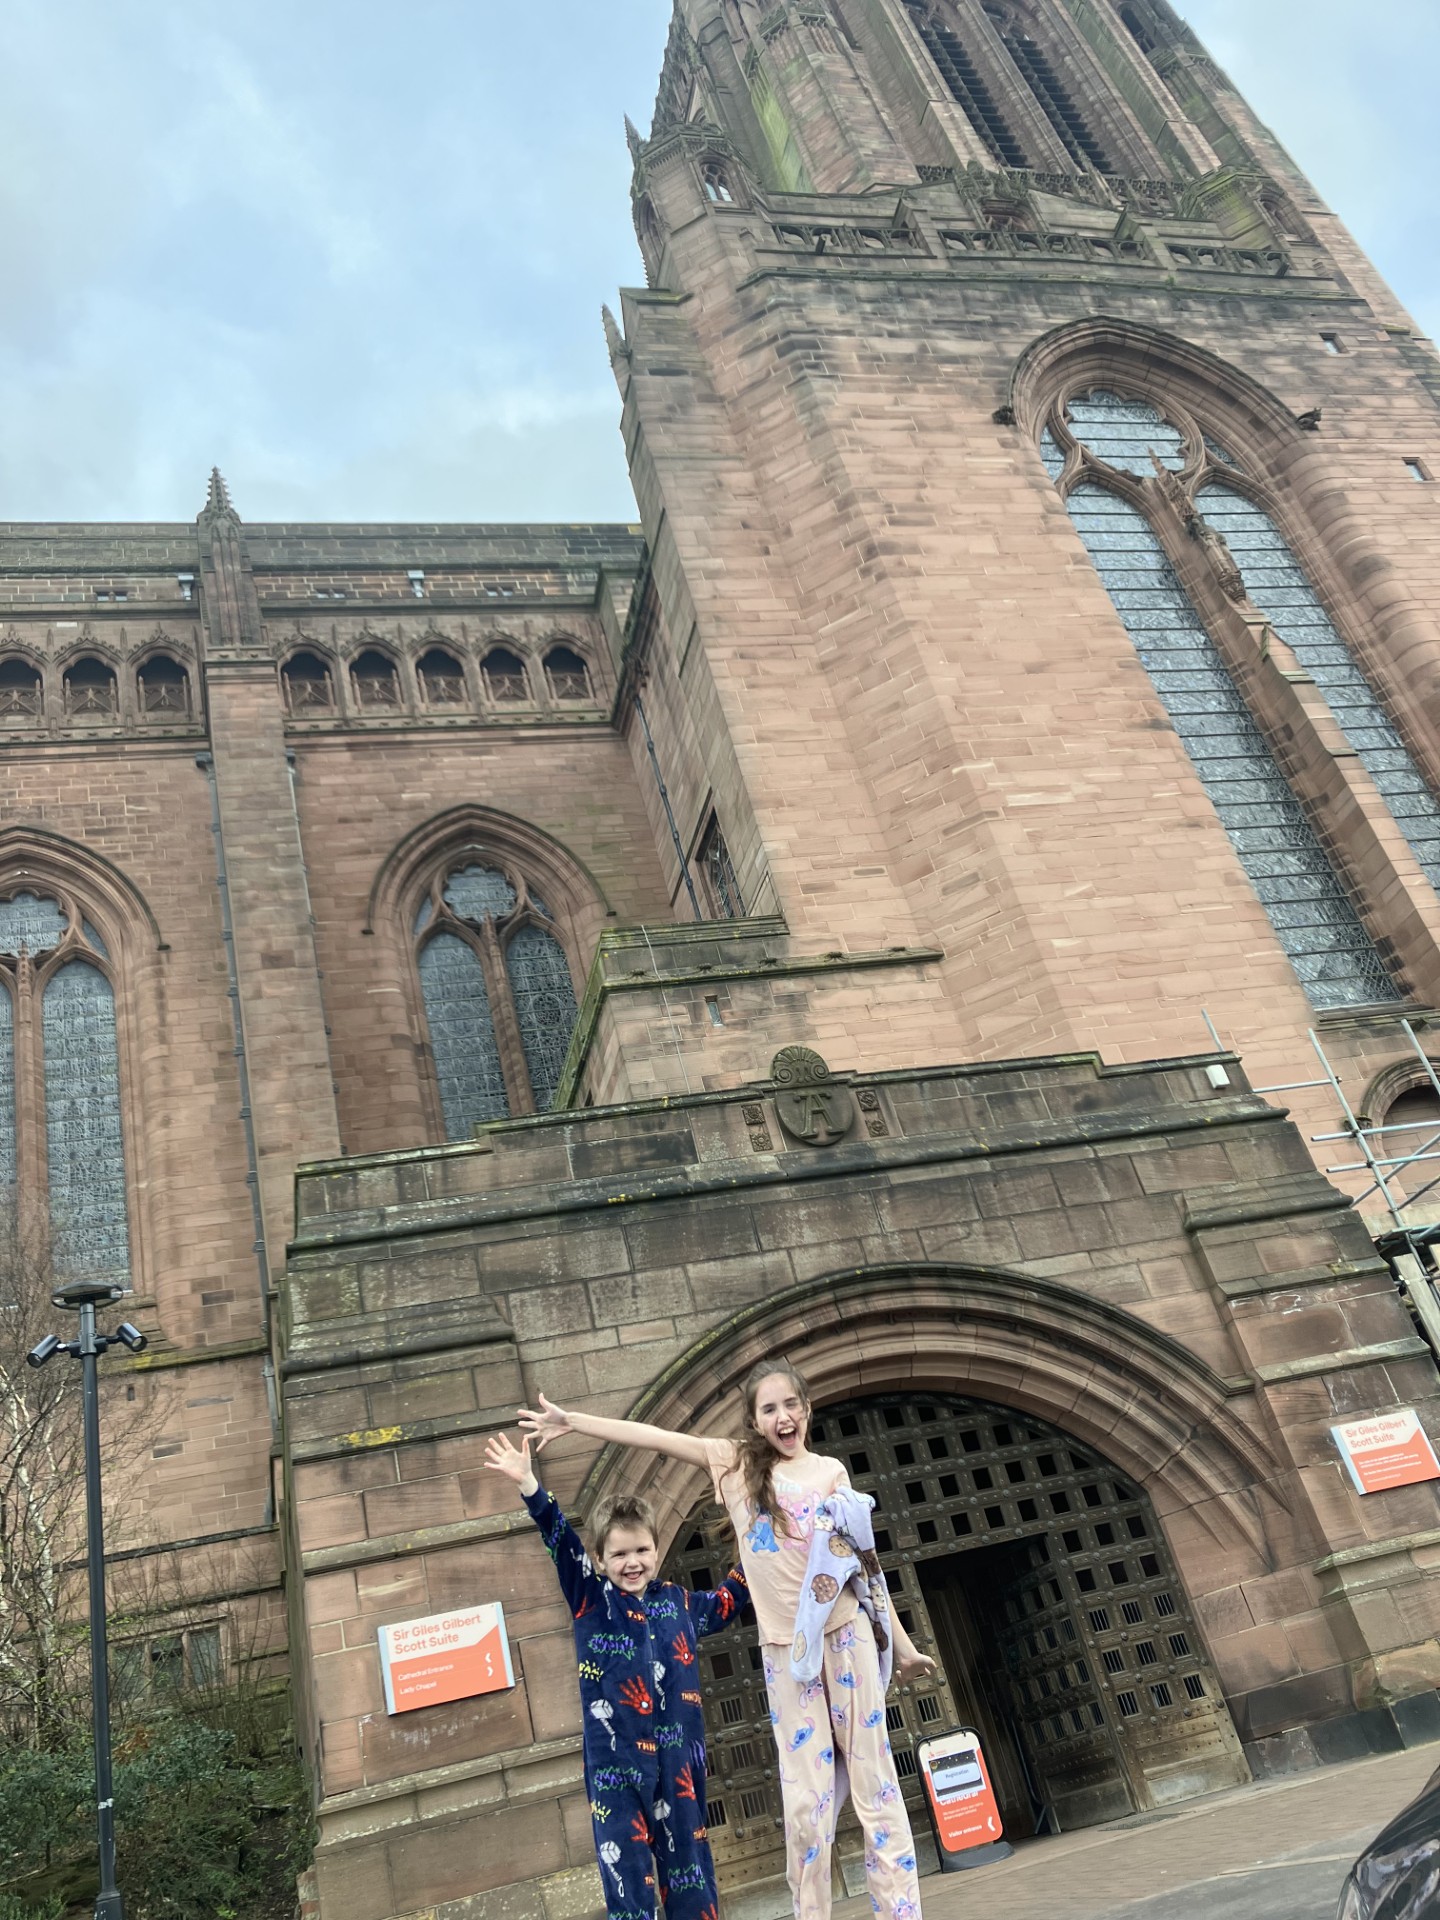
x=354 y=253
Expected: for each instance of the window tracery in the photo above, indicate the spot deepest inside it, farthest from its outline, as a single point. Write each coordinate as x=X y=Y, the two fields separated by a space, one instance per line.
x=505 y=677
x=60 y=1115
x=567 y=674
x=375 y=680
x=715 y=179
x=1302 y=893
x=90 y=687
x=442 y=679
x=497 y=992
x=309 y=687
x=1279 y=587
x=20 y=689
x=164 y=688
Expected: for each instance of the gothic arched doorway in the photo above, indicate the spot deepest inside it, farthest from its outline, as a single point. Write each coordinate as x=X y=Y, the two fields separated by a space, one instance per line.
x=1038 y=1576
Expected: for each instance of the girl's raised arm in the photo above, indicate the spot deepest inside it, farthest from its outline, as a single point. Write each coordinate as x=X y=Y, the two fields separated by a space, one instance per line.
x=548 y=1422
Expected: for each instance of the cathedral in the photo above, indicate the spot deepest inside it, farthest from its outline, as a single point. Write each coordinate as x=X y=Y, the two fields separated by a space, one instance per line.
x=874 y=910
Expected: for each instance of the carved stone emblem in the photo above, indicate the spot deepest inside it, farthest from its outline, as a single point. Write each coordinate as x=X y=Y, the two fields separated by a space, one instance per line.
x=811 y=1107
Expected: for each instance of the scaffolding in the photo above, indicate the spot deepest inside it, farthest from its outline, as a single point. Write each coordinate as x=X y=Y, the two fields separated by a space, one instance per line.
x=1408 y=1249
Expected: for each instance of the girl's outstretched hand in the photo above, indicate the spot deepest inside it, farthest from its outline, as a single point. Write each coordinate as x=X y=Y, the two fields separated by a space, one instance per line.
x=545 y=1425
x=505 y=1457
x=911 y=1664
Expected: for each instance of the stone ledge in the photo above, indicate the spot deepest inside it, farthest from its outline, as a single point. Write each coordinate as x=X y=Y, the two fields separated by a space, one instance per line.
x=513 y=1760
x=447 y=1426
x=1302 y=1277
x=1412 y=1348
x=609 y=1194
x=1378 y=1550
x=1247 y=1203
x=398 y=1546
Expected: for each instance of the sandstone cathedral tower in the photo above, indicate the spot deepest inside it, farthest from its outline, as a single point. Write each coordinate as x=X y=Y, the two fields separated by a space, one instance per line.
x=444 y=962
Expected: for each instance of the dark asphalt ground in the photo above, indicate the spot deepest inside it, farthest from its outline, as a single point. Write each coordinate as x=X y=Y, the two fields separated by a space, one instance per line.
x=1304 y=1885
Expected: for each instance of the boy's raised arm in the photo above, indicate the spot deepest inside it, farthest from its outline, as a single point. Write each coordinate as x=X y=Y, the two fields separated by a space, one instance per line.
x=578 y=1580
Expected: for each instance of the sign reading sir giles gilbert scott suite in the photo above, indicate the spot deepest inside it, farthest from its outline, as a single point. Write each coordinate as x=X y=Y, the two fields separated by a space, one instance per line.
x=445 y=1657
x=1392 y=1450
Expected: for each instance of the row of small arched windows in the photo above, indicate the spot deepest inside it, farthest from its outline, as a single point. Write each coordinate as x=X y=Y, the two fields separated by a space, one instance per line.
x=375 y=683
x=90 y=686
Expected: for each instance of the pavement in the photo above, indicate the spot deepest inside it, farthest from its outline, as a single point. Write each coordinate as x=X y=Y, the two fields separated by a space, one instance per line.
x=1276 y=1850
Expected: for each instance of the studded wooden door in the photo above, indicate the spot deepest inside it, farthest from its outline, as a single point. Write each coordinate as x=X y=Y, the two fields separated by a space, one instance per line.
x=1096 y=1671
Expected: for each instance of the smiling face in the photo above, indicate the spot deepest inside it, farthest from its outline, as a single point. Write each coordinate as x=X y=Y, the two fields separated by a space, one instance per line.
x=781 y=1414
x=628 y=1558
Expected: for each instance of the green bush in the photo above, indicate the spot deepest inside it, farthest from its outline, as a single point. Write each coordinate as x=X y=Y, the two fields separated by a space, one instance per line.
x=12 y=1908
x=204 y=1832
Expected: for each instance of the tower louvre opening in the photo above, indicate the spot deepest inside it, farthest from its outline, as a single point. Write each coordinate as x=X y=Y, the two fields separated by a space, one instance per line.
x=1052 y=96
x=963 y=78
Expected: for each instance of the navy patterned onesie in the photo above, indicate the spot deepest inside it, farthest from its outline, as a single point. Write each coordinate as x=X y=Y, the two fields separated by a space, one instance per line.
x=644 y=1730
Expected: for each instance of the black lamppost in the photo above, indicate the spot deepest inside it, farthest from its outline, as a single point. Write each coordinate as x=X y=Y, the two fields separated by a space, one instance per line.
x=83 y=1297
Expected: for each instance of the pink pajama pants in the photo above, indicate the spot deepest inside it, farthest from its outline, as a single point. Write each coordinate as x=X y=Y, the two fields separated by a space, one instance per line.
x=840 y=1717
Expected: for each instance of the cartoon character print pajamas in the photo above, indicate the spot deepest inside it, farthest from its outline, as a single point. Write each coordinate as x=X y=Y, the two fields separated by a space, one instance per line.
x=644 y=1728
x=840 y=1716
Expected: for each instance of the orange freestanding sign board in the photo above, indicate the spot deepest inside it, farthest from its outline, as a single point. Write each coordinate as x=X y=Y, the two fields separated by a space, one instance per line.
x=1392 y=1450
x=963 y=1810
x=448 y=1656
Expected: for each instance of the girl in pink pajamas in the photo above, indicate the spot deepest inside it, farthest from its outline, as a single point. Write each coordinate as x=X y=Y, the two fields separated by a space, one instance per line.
x=772 y=1485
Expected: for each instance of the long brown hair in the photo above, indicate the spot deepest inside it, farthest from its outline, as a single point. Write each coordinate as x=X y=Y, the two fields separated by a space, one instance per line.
x=756 y=1462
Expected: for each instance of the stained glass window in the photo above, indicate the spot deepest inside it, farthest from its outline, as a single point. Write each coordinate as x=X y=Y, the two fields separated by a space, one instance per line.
x=462 y=1036
x=7 y=1095
x=82 y=1123
x=1281 y=591
x=545 y=1004
x=27 y=921
x=480 y=893
x=1308 y=907
x=498 y=994
x=1124 y=433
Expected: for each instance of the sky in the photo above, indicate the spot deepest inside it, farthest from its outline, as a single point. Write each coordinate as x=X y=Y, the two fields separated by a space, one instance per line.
x=354 y=253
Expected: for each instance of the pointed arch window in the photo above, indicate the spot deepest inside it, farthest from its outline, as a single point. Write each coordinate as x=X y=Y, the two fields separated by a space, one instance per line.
x=505 y=678
x=1303 y=895
x=309 y=687
x=376 y=683
x=90 y=688
x=568 y=675
x=61 y=1135
x=20 y=689
x=442 y=679
x=497 y=991
x=164 y=688
x=1279 y=587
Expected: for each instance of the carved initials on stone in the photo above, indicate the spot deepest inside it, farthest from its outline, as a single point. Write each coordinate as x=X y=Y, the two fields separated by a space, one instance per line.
x=811 y=1107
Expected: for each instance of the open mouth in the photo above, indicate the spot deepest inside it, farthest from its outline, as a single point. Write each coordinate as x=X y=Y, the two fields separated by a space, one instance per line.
x=786 y=1433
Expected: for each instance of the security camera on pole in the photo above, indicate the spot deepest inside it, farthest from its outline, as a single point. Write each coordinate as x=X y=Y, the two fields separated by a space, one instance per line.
x=83 y=1297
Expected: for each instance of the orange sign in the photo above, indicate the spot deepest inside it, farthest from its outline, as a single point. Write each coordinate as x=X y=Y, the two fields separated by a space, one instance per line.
x=962 y=1800
x=1392 y=1450
x=449 y=1656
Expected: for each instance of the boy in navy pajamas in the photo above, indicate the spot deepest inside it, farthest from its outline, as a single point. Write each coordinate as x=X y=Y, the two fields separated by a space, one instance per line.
x=635 y=1642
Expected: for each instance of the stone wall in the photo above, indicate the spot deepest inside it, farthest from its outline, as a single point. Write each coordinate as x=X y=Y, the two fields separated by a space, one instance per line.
x=1141 y=1255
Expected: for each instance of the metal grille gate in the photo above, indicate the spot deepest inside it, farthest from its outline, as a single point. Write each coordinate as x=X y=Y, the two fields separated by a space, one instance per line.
x=1071 y=1642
